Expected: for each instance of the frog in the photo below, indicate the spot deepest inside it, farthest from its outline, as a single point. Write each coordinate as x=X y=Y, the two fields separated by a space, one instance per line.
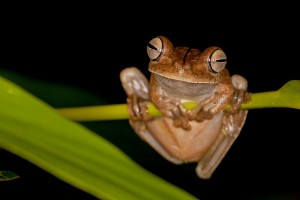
x=202 y=135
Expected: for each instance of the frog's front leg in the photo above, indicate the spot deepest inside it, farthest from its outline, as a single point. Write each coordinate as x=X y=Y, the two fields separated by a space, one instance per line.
x=213 y=104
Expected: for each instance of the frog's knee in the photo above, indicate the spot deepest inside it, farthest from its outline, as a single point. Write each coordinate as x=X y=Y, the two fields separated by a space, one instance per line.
x=239 y=82
x=134 y=82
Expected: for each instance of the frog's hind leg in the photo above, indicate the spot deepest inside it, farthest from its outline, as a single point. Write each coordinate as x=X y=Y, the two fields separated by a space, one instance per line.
x=232 y=125
x=136 y=87
x=233 y=122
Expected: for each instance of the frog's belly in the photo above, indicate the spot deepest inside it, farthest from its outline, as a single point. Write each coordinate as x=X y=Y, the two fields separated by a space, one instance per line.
x=187 y=146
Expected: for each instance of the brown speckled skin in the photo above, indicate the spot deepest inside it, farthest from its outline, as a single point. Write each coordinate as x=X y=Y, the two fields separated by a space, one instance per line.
x=202 y=135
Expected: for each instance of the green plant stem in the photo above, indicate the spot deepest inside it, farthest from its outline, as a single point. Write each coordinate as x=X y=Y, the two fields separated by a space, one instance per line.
x=287 y=96
x=95 y=113
x=120 y=111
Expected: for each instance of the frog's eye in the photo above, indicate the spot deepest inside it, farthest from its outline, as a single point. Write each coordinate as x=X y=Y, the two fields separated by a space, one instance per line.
x=155 y=48
x=217 y=61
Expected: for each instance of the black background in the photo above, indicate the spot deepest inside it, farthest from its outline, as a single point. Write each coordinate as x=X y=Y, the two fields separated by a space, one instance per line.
x=88 y=47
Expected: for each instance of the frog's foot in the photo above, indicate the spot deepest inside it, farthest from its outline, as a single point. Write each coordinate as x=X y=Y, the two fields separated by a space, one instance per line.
x=240 y=95
x=232 y=125
x=138 y=108
x=203 y=111
x=174 y=109
x=181 y=120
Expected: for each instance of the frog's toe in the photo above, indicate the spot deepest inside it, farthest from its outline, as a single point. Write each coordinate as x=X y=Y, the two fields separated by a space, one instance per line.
x=182 y=123
x=203 y=116
x=138 y=108
x=237 y=99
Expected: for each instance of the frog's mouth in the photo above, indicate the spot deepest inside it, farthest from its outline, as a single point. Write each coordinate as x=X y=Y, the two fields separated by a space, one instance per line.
x=188 y=76
x=185 y=89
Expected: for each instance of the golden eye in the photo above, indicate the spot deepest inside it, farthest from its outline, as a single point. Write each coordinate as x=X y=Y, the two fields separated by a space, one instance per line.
x=155 y=48
x=217 y=61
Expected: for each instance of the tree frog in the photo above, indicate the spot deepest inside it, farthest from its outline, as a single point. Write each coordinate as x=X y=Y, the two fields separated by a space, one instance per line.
x=181 y=74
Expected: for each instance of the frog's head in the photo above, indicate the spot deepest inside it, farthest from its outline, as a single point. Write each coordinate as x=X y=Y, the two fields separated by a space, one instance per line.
x=185 y=64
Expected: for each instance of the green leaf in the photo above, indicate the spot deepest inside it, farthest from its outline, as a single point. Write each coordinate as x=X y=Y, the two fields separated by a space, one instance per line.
x=35 y=131
x=8 y=175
